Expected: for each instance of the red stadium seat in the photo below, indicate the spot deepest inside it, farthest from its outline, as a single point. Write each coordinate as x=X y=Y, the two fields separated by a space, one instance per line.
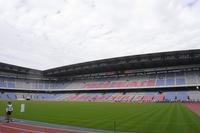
x=151 y=83
x=132 y=84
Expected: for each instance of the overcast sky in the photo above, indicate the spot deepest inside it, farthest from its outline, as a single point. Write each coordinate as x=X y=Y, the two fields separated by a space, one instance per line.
x=43 y=34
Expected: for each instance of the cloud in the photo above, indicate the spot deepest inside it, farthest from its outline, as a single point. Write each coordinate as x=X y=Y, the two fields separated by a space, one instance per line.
x=46 y=34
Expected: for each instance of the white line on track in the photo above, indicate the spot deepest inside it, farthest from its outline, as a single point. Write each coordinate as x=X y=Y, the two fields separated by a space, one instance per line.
x=26 y=130
x=54 y=128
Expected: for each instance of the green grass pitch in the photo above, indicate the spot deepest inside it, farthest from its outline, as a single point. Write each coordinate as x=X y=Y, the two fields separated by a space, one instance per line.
x=141 y=118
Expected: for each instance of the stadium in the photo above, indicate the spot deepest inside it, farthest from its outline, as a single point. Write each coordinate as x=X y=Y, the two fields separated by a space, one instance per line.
x=99 y=66
x=150 y=93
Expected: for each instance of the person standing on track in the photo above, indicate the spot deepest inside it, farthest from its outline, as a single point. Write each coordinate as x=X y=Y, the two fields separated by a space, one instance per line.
x=9 y=110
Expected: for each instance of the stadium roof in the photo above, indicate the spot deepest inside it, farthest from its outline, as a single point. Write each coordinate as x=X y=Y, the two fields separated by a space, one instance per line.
x=153 y=60
x=45 y=34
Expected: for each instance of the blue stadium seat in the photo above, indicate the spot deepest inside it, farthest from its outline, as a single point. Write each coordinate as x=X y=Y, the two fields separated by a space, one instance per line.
x=180 y=81
x=182 y=96
x=170 y=96
x=170 y=82
x=160 y=82
x=3 y=83
x=11 y=83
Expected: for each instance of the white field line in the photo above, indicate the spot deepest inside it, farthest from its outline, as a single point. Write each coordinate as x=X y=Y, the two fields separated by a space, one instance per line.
x=26 y=130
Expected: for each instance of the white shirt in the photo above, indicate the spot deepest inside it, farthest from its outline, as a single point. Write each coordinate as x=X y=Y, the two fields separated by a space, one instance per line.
x=9 y=108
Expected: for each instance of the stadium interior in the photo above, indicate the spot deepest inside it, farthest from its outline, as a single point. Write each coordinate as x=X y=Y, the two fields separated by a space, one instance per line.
x=158 y=77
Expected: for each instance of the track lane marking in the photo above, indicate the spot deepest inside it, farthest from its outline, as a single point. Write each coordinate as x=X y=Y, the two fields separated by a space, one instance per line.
x=55 y=128
x=26 y=130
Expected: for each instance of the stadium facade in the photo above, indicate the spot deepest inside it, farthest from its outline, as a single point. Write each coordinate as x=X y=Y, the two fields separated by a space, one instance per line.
x=165 y=76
